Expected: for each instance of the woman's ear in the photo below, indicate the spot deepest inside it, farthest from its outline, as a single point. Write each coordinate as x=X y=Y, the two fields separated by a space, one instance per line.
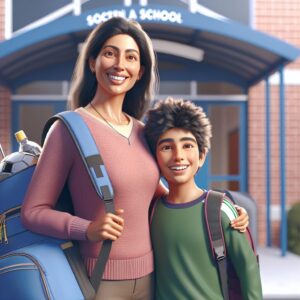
x=92 y=63
x=141 y=72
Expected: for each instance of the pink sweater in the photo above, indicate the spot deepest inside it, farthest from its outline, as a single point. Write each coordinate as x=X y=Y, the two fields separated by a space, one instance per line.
x=134 y=176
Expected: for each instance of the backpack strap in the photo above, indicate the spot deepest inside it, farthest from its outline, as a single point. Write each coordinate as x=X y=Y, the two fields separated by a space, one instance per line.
x=94 y=165
x=212 y=211
x=152 y=209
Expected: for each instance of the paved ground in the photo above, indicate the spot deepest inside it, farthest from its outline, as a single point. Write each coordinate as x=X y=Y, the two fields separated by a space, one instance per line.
x=280 y=275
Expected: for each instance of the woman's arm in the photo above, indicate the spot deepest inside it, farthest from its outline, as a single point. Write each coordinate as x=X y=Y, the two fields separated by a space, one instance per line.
x=242 y=221
x=38 y=211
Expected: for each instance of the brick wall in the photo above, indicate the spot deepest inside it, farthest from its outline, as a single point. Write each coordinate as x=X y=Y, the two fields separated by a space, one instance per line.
x=5 y=99
x=280 y=18
x=2 y=9
x=5 y=119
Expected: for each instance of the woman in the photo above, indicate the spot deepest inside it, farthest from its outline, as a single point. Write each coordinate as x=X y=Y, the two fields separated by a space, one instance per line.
x=113 y=83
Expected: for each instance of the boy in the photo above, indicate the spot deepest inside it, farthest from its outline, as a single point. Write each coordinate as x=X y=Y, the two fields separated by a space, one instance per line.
x=178 y=133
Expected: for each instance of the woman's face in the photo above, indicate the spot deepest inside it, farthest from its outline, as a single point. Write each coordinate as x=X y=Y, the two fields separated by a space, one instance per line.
x=117 y=66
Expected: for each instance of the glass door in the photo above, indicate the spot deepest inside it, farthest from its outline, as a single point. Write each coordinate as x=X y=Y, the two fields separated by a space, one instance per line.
x=226 y=163
x=31 y=117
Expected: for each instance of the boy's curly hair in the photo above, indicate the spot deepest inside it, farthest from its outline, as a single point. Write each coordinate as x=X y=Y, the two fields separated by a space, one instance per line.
x=177 y=113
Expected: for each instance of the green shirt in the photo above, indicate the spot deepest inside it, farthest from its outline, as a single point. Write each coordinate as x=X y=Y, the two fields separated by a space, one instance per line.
x=183 y=261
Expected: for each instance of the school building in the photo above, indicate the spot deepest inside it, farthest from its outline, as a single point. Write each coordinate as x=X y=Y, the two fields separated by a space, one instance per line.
x=237 y=59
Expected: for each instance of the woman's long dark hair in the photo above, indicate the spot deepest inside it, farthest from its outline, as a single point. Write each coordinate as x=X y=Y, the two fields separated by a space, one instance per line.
x=84 y=82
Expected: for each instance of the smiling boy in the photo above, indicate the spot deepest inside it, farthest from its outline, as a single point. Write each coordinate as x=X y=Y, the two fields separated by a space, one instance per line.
x=178 y=133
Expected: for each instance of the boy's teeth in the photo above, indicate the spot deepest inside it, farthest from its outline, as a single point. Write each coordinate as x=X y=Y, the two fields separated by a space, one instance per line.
x=178 y=168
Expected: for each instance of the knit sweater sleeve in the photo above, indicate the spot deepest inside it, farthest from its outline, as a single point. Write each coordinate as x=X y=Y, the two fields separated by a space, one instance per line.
x=242 y=257
x=38 y=212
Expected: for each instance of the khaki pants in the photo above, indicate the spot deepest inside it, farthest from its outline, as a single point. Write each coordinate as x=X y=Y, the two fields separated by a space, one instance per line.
x=135 y=289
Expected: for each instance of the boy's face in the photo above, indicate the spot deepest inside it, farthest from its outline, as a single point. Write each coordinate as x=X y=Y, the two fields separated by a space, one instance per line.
x=178 y=156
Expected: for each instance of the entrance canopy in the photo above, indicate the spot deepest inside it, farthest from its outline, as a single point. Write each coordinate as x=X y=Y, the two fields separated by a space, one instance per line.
x=224 y=50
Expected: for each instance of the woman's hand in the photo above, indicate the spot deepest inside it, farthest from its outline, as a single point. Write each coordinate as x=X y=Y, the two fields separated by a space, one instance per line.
x=242 y=221
x=110 y=227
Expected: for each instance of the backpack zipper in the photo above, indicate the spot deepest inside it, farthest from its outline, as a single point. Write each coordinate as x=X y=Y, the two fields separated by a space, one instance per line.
x=35 y=264
x=5 y=216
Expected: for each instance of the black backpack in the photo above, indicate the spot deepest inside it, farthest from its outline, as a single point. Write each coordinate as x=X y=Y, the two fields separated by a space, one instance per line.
x=229 y=280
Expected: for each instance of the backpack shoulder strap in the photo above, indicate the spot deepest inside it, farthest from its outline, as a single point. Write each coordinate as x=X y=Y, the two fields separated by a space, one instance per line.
x=212 y=213
x=151 y=210
x=89 y=153
x=94 y=165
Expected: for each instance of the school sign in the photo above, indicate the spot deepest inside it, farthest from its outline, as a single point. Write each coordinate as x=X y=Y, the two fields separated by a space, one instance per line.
x=139 y=15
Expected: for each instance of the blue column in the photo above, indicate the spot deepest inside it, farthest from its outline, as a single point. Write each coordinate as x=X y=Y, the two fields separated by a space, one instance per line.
x=283 y=227
x=243 y=168
x=268 y=163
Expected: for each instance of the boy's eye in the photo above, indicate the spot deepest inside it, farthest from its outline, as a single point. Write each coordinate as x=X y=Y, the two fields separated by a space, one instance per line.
x=188 y=145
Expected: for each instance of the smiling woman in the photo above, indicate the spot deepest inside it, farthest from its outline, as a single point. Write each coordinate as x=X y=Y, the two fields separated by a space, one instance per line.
x=113 y=84
x=85 y=83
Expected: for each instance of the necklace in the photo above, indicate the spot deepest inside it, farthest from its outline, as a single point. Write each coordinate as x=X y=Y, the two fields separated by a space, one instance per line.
x=109 y=124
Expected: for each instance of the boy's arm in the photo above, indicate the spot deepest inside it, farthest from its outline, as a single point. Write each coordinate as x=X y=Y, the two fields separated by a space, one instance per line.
x=243 y=259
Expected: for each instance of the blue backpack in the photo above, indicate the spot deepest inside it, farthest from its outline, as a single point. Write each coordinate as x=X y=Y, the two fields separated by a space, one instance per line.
x=37 y=267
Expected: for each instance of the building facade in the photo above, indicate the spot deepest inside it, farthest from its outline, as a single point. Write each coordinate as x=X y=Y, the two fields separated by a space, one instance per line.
x=223 y=59
x=280 y=19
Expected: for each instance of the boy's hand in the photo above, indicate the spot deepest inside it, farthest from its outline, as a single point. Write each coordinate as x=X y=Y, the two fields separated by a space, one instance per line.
x=110 y=227
x=242 y=221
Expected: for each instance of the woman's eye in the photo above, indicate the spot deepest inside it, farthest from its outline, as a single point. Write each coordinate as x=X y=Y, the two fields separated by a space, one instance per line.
x=108 y=53
x=165 y=148
x=132 y=58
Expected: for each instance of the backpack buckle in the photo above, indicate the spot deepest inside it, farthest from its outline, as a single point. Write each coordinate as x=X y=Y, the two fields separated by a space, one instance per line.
x=106 y=193
x=219 y=249
x=219 y=252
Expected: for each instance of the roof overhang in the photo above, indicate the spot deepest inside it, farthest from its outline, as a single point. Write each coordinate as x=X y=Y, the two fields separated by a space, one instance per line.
x=244 y=55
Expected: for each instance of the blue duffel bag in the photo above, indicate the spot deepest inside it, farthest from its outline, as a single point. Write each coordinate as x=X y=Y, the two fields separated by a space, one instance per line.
x=37 y=272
